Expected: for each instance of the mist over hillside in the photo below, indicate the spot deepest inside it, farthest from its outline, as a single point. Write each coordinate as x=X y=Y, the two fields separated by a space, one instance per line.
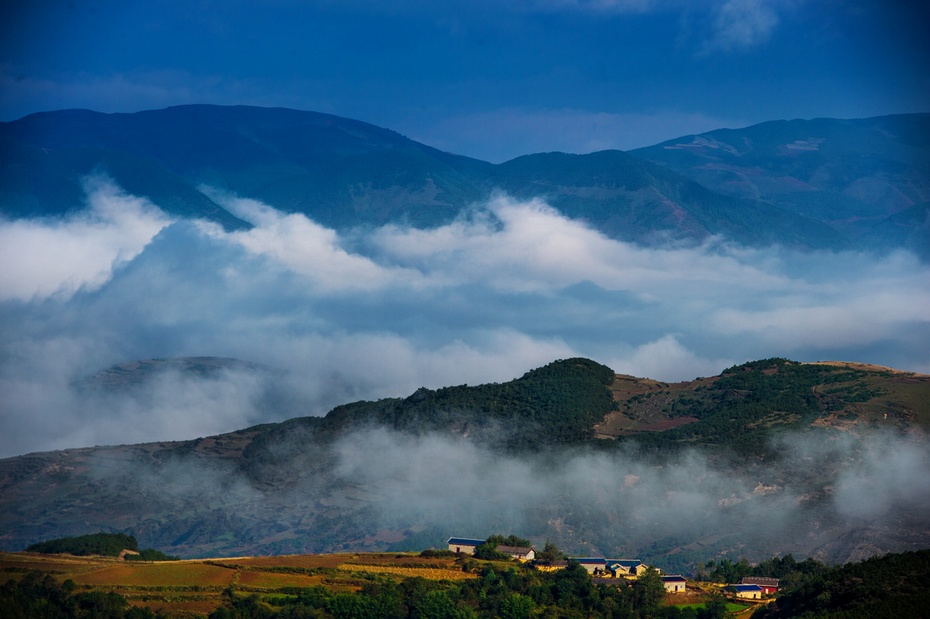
x=316 y=299
x=491 y=271
x=823 y=461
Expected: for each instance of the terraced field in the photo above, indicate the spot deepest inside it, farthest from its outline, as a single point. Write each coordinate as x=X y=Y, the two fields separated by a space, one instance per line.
x=195 y=587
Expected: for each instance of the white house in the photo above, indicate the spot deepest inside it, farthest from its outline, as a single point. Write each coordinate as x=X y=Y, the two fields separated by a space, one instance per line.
x=748 y=592
x=519 y=553
x=674 y=583
x=464 y=544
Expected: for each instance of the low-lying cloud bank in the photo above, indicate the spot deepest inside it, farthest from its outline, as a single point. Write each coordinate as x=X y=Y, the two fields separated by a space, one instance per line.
x=56 y=258
x=830 y=495
x=509 y=287
x=620 y=502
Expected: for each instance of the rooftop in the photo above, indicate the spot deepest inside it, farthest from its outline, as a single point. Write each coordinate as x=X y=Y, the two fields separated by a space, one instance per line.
x=464 y=541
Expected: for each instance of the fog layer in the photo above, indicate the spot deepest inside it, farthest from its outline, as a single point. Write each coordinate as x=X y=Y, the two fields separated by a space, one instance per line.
x=339 y=317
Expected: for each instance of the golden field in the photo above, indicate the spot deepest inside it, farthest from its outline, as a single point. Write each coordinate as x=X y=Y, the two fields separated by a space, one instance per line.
x=195 y=587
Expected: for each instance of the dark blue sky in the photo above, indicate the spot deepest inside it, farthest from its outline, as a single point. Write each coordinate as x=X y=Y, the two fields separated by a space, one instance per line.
x=475 y=77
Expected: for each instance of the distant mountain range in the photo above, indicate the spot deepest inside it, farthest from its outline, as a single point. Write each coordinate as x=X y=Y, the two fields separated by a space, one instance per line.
x=828 y=184
x=408 y=472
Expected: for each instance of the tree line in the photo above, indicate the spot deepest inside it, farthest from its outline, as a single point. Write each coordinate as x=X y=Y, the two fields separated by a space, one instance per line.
x=104 y=544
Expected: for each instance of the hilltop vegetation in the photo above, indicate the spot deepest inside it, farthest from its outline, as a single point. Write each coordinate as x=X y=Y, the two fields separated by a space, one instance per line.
x=556 y=404
x=746 y=404
x=104 y=544
x=890 y=586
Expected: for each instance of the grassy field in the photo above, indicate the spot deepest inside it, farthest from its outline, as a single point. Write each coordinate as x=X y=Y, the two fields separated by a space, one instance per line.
x=195 y=587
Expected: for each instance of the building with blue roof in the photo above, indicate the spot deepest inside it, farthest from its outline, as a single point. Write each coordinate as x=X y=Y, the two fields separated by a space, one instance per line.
x=464 y=544
x=748 y=592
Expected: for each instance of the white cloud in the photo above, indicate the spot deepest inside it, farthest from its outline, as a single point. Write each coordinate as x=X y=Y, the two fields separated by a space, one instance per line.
x=666 y=356
x=44 y=258
x=305 y=247
x=742 y=24
x=888 y=294
x=510 y=287
x=529 y=246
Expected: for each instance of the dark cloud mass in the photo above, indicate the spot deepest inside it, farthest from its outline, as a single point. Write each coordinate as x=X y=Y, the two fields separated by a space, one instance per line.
x=341 y=317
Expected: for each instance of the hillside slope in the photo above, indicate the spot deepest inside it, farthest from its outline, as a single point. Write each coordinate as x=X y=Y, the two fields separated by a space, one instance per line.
x=761 y=456
x=864 y=178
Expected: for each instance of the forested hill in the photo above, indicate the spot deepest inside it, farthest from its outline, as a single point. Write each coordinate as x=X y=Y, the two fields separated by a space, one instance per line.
x=746 y=405
x=889 y=586
x=404 y=472
x=555 y=404
x=107 y=544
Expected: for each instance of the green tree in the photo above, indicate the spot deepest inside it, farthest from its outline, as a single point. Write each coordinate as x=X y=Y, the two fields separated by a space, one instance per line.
x=516 y=606
x=437 y=604
x=715 y=608
x=648 y=592
x=549 y=553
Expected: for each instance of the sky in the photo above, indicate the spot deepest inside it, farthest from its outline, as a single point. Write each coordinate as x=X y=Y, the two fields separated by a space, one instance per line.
x=492 y=80
x=509 y=286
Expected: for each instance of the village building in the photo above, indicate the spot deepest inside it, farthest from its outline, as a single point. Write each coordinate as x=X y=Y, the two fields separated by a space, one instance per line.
x=464 y=544
x=520 y=553
x=768 y=585
x=596 y=566
x=626 y=568
x=551 y=566
x=674 y=583
x=748 y=592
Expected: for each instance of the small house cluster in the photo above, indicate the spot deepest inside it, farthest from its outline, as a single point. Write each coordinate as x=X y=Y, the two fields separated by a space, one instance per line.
x=628 y=569
x=599 y=567
x=468 y=545
x=613 y=568
x=608 y=570
x=755 y=587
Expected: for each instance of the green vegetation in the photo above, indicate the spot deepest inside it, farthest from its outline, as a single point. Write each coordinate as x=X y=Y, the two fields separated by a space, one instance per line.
x=740 y=410
x=891 y=586
x=39 y=596
x=547 y=414
x=556 y=404
x=516 y=592
x=488 y=550
x=789 y=572
x=105 y=544
x=549 y=554
x=150 y=554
